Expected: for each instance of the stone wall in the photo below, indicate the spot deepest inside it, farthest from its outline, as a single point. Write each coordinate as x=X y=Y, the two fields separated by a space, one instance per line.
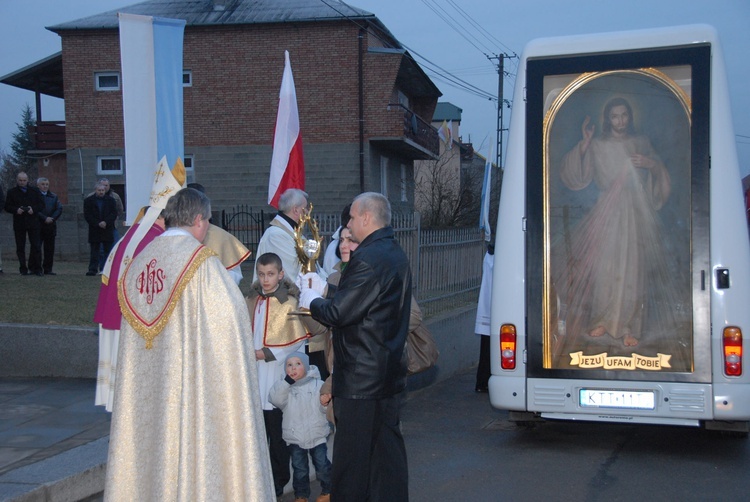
x=38 y=350
x=33 y=350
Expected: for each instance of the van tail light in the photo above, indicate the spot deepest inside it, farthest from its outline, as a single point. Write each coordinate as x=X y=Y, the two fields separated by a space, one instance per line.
x=732 y=351
x=508 y=347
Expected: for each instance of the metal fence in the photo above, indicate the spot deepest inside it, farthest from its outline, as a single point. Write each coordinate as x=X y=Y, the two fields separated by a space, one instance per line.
x=446 y=263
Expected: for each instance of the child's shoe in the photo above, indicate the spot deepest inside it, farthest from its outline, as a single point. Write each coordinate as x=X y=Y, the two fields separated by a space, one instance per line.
x=324 y=497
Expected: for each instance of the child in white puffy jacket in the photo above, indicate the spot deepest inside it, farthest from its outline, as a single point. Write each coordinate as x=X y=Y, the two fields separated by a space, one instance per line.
x=304 y=424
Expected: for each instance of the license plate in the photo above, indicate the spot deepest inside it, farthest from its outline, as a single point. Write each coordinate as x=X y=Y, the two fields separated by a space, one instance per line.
x=629 y=399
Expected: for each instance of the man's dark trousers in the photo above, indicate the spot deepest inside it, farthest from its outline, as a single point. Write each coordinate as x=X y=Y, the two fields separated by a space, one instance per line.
x=277 y=448
x=48 y=233
x=35 y=255
x=369 y=440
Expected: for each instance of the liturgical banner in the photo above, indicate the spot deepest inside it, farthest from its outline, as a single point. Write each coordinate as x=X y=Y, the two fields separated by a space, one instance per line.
x=151 y=58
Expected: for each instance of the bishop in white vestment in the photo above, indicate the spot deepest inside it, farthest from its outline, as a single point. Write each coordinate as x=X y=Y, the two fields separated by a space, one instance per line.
x=187 y=423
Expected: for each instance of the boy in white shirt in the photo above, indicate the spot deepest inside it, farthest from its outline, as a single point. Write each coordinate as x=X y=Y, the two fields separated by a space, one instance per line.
x=275 y=335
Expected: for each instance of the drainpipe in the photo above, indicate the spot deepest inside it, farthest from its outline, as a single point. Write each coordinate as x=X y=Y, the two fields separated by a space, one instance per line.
x=80 y=160
x=361 y=113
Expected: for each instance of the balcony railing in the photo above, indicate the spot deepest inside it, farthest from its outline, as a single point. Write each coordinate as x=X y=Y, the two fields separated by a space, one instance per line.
x=48 y=136
x=417 y=130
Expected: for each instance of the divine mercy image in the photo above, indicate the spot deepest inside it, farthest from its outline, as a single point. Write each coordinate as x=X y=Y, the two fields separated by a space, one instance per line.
x=618 y=171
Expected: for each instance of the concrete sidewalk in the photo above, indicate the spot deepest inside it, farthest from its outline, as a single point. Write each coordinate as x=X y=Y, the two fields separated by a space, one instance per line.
x=53 y=440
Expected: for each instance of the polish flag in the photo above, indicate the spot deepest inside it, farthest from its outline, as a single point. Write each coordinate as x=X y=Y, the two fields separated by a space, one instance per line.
x=287 y=162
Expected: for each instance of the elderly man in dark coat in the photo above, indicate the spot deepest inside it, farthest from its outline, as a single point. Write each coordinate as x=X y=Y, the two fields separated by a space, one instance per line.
x=48 y=220
x=100 y=212
x=25 y=203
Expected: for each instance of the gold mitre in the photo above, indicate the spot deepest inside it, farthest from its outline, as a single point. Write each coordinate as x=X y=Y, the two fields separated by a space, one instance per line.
x=166 y=183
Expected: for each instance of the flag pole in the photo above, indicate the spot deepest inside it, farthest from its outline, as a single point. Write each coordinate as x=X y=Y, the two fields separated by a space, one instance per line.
x=287 y=161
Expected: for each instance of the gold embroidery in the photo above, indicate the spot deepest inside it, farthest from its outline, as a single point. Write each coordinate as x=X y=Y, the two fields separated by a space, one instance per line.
x=159 y=173
x=280 y=329
x=162 y=193
x=149 y=333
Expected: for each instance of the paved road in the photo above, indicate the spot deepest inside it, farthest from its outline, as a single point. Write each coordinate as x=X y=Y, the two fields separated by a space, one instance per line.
x=43 y=417
x=459 y=448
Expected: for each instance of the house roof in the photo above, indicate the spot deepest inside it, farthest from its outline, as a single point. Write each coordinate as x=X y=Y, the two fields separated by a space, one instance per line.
x=44 y=76
x=410 y=75
x=230 y=12
x=446 y=111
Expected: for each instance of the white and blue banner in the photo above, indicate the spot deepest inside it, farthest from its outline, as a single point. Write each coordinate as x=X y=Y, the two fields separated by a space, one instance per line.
x=484 y=214
x=151 y=59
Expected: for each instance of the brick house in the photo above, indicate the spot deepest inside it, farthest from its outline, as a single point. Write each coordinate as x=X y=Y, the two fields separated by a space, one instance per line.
x=365 y=106
x=448 y=189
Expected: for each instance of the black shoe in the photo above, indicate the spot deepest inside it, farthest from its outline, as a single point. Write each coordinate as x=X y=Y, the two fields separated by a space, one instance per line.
x=90 y=273
x=482 y=389
x=40 y=274
x=50 y=273
x=25 y=272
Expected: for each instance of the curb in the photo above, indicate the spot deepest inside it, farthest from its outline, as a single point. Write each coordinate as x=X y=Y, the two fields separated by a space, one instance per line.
x=71 y=476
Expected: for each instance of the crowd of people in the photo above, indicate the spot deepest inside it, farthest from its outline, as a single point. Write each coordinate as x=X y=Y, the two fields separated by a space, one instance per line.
x=215 y=395
x=35 y=211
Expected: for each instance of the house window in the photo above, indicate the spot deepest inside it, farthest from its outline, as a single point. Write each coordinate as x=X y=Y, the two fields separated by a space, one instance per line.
x=403 y=99
x=187 y=78
x=108 y=165
x=189 y=170
x=107 y=81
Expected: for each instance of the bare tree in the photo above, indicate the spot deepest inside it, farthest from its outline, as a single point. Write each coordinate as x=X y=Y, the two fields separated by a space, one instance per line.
x=444 y=194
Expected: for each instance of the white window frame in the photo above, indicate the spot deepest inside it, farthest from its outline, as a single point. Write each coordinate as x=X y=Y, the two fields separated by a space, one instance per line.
x=100 y=159
x=100 y=74
x=403 y=99
x=189 y=163
x=189 y=75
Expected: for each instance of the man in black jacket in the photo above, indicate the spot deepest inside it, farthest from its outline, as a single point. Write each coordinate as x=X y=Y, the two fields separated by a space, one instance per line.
x=100 y=212
x=48 y=221
x=369 y=313
x=25 y=203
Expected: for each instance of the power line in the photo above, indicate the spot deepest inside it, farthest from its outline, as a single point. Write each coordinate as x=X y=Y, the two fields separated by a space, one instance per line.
x=476 y=26
x=479 y=27
x=447 y=76
x=476 y=90
x=465 y=34
x=444 y=79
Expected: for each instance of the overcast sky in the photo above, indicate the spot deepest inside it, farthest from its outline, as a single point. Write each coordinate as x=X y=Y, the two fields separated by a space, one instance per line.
x=480 y=28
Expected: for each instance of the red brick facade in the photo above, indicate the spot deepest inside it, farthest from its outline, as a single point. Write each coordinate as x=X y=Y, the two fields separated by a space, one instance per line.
x=236 y=72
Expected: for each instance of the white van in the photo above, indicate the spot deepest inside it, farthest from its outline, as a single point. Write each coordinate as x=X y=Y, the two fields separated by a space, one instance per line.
x=621 y=286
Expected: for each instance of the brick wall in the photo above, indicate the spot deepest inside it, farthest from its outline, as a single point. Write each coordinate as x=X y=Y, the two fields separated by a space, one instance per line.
x=230 y=109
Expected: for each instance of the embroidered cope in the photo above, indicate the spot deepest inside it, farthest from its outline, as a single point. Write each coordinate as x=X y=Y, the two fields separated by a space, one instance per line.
x=187 y=423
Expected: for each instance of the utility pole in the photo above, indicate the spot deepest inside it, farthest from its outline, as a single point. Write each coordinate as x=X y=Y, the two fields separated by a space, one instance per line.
x=501 y=101
x=497 y=179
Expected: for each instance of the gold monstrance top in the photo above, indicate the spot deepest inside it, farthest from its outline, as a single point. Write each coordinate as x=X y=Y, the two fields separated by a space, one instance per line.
x=308 y=248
